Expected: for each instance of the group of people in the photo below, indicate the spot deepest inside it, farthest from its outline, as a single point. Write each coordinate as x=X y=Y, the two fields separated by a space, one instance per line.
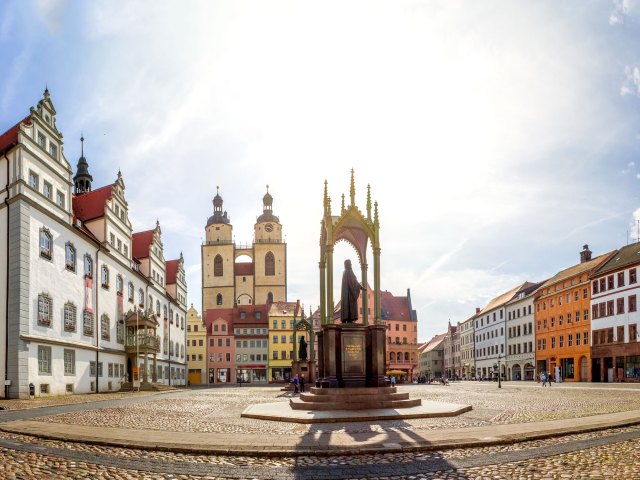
x=298 y=384
x=546 y=377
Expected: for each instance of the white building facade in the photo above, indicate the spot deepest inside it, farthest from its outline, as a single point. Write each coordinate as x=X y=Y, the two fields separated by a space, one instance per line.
x=70 y=285
x=520 y=358
x=466 y=334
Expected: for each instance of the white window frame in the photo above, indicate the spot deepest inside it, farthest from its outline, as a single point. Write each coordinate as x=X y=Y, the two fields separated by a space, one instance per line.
x=69 y=362
x=44 y=360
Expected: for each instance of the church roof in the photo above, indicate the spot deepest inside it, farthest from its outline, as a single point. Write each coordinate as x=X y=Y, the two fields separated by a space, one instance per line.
x=91 y=205
x=141 y=242
x=10 y=137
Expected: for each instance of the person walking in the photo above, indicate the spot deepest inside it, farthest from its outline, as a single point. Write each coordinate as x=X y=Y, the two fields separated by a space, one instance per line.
x=549 y=378
x=302 y=383
x=543 y=376
x=295 y=384
x=393 y=380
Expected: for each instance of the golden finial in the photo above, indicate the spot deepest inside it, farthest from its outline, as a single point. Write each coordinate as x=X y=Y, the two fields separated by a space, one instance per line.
x=369 y=201
x=375 y=214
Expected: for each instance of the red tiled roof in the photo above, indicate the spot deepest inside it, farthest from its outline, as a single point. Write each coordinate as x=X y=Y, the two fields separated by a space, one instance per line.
x=243 y=268
x=8 y=138
x=394 y=308
x=250 y=314
x=141 y=242
x=91 y=205
x=172 y=271
x=215 y=313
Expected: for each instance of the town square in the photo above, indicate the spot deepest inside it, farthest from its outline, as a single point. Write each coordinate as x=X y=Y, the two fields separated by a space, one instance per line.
x=343 y=240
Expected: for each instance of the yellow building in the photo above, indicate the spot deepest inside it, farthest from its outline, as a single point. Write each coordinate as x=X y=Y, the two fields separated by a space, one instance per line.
x=228 y=279
x=196 y=348
x=281 y=346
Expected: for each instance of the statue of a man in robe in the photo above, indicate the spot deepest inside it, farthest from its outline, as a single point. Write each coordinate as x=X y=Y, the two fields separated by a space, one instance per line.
x=302 y=351
x=349 y=295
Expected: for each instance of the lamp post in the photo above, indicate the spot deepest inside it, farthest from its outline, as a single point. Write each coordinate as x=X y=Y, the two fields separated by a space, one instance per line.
x=499 y=373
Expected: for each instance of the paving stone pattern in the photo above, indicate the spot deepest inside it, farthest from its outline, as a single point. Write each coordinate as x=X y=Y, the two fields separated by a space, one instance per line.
x=610 y=454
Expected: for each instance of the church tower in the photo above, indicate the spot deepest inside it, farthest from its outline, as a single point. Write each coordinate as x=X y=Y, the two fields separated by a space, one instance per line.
x=218 y=257
x=269 y=256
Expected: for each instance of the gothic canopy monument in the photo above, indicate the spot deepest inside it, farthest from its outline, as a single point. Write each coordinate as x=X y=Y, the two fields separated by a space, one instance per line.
x=350 y=354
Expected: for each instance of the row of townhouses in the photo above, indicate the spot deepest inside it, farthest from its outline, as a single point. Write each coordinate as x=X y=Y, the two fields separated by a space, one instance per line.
x=84 y=301
x=579 y=325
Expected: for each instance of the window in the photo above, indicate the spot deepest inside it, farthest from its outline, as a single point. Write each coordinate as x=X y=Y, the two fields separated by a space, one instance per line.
x=158 y=307
x=69 y=317
x=632 y=303
x=45 y=310
x=141 y=298
x=87 y=323
x=119 y=245
x=34 y=181
x=105 y=327
x=126 y=250
x=119 y=284
x=218 y=270
x=88 y=266
x=633 y=332
x=585 y=314
x=53 y=150
x=70 y=257
x=269 y=264
x=620 y=279
x=47 y=189
x=275 y=355
x=130 y=291
x=44 y=360
x=45 y=244
x=595 y=287
x=42 y=140
x=585 y=338
x=120 y=332
x=69 y=362
x=104 y=276
x=219 y=299
x=620 y=305
x=275 y=339
x=60 y=199
x=633 y=276
x=112 y=239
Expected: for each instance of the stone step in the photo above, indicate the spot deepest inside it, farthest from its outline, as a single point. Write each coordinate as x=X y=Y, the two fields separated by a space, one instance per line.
x=298 y=404
x=353 y=390
x=356 y=397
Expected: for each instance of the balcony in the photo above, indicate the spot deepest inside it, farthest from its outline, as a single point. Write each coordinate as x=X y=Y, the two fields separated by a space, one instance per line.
x=143 y=343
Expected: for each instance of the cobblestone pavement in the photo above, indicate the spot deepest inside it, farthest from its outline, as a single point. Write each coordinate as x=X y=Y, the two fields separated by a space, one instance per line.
x=39 y=402
x=610 y=454
x=218 y=410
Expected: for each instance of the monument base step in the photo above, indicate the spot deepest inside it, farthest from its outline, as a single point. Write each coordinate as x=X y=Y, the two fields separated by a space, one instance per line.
x=300 y=404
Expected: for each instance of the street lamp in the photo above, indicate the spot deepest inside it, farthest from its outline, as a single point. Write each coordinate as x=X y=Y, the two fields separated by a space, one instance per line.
x=499 y=373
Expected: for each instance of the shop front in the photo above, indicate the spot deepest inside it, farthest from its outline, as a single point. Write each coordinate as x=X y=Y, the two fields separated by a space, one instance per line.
x=252 y=373
x=281 y=374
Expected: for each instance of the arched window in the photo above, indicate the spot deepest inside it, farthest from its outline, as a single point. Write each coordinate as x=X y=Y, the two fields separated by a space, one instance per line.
x=406 y=356
x=88 y=266
x=217 y=266
x=70 y=257
x=105 y=327
x=141 y=298
x=392 y=356
x=219 y=299
x=105 y=276
x=45 y=244
x=165 y=311
x=269 y=264
x=119 y=284
x=158 y=307
x=130 y=291
x=399 y=356
x=270 y=297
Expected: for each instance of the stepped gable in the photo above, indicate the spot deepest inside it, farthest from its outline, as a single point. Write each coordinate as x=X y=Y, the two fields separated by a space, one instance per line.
x=9 y=138
x=172 y=270
x=91 y=205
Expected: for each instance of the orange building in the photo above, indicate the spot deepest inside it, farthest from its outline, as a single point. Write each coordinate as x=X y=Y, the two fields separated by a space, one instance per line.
x=562 y=322
x=220 y=345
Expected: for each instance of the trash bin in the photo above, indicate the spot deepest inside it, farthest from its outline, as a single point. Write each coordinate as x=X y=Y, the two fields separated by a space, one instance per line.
x=32 y=390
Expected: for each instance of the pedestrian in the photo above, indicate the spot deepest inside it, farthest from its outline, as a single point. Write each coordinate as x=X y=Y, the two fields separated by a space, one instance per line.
x=295 y=384
x=549 y=378
x=302 y=383
x=543 y=376
x=393 y=380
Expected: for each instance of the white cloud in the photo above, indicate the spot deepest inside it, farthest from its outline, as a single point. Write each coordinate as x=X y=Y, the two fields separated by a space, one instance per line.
x=621 y=9
x=51 y=12
x=631 y=85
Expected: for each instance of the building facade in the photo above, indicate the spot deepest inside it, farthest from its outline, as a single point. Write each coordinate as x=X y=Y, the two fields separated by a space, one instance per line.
x=432 y=358
x=615 y=344
x=451 y=353
x=520 y=358
x=196 y=348
x=79 y=309
x=282 y=318
x=562 y=320
x=402 y=334
x=467 y=348
x=251 y=332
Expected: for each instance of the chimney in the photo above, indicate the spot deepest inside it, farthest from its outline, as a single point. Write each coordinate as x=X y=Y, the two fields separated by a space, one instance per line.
x=477 y=310
x=585 y=254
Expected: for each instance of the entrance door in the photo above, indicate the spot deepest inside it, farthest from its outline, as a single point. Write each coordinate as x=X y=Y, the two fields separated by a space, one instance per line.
x=195 y=377
x=129 y=371
x=596 y=375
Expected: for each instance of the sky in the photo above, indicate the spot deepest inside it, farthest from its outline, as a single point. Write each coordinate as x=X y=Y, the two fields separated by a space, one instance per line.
x=498 y=137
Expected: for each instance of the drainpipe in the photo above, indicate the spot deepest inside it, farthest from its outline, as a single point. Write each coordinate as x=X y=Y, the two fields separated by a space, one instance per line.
x=97 y=321
x=170 y=345
x=6 y=332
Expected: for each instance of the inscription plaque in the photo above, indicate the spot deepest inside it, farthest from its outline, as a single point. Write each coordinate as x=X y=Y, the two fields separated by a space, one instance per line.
x=353 y=354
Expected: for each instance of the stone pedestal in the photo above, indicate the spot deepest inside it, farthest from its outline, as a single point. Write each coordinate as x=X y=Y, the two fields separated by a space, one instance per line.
x=351 y=355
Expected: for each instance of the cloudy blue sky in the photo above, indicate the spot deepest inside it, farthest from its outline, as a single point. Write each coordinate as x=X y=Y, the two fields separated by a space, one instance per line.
x=498 y=137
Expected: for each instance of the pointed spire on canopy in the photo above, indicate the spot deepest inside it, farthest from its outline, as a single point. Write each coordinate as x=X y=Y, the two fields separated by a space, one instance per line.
x=326 y=196
x=343 y=209
x=369 y=201
x=353 y=189
x=82 y=179
x=375 y=214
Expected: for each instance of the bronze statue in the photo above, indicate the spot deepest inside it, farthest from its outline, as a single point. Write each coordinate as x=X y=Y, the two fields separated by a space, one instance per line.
x=349 y=295
x=302 y=351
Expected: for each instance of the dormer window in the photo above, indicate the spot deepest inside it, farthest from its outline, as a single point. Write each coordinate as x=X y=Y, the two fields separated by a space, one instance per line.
x=42 y=140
